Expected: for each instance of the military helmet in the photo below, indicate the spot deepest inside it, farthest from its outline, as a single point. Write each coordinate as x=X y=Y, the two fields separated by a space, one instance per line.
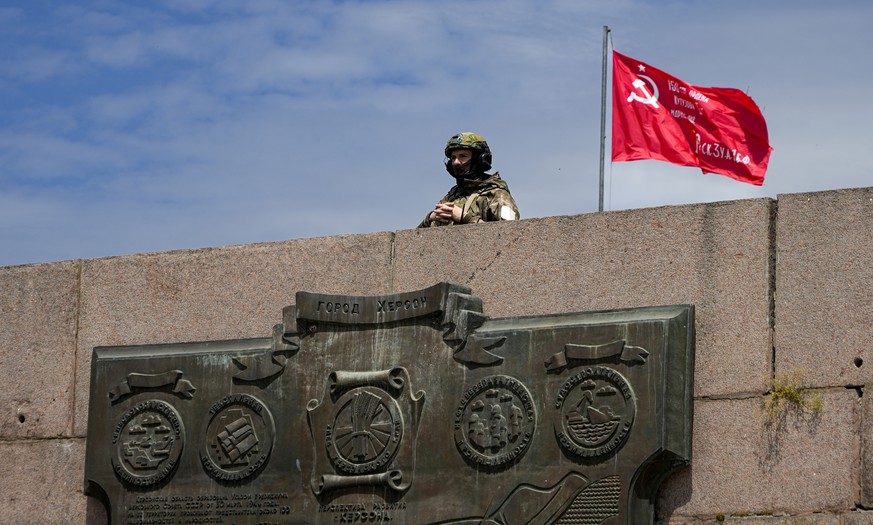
x=471 y=141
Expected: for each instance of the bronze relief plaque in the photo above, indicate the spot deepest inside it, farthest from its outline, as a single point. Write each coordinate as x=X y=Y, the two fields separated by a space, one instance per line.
x=407 y=408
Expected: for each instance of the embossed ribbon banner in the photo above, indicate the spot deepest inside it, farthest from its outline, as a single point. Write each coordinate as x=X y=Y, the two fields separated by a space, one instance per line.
x=410 y=408
x=657 y=116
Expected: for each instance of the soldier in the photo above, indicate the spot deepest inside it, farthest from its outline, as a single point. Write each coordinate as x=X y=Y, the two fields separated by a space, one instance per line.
x=477 y=196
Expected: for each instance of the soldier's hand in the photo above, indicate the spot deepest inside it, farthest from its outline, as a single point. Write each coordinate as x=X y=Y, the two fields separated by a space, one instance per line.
x=446 y=212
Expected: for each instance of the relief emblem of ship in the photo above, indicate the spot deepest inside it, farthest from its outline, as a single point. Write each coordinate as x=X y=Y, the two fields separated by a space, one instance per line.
x=590 y=425
x=148 y=442
x=597 y=411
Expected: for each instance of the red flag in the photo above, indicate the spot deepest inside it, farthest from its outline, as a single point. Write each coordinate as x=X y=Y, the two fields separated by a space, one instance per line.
x=658 y=116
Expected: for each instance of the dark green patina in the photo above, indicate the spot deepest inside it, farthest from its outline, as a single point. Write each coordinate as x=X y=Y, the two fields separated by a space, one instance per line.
x=407 y=408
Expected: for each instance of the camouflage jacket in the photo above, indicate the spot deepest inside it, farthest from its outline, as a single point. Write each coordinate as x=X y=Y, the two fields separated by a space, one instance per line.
x=480 y=200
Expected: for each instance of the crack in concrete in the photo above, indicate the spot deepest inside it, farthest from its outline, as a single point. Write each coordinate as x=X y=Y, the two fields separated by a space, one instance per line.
x=493 y=260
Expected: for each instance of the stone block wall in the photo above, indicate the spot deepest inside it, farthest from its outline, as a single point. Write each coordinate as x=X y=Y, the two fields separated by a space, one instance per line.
x=780 y=287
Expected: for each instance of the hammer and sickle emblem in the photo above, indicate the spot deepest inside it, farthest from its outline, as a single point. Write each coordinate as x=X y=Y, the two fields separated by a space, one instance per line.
x=647 y=98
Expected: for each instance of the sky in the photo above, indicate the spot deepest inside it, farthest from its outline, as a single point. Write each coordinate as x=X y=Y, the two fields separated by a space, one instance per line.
x=130 y=127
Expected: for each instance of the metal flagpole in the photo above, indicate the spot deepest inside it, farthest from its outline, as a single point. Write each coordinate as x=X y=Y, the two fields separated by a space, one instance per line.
x=603 y=118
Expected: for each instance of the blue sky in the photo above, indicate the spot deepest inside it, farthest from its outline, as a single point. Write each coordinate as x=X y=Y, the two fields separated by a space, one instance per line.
x=130 y=127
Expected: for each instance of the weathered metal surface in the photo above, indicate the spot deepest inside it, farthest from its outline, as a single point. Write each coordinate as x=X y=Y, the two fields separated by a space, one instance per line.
x=410 y=408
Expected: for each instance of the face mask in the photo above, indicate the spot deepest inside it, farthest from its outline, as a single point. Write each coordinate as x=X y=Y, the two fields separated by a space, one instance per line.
x=465 y=171
x=469 y=170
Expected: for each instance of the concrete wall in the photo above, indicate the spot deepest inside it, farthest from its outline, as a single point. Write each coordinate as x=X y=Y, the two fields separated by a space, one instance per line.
x=779 y=286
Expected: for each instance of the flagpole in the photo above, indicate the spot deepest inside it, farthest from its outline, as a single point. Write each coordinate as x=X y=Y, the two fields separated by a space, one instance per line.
x=603 y=118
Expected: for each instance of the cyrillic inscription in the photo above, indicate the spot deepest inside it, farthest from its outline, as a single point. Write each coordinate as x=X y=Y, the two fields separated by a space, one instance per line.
x=364 y=512
x=209 y=508
x=345 y=309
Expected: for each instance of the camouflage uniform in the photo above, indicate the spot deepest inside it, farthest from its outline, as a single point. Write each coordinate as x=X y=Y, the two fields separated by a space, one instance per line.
x=480 y=201
x=481 y=196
